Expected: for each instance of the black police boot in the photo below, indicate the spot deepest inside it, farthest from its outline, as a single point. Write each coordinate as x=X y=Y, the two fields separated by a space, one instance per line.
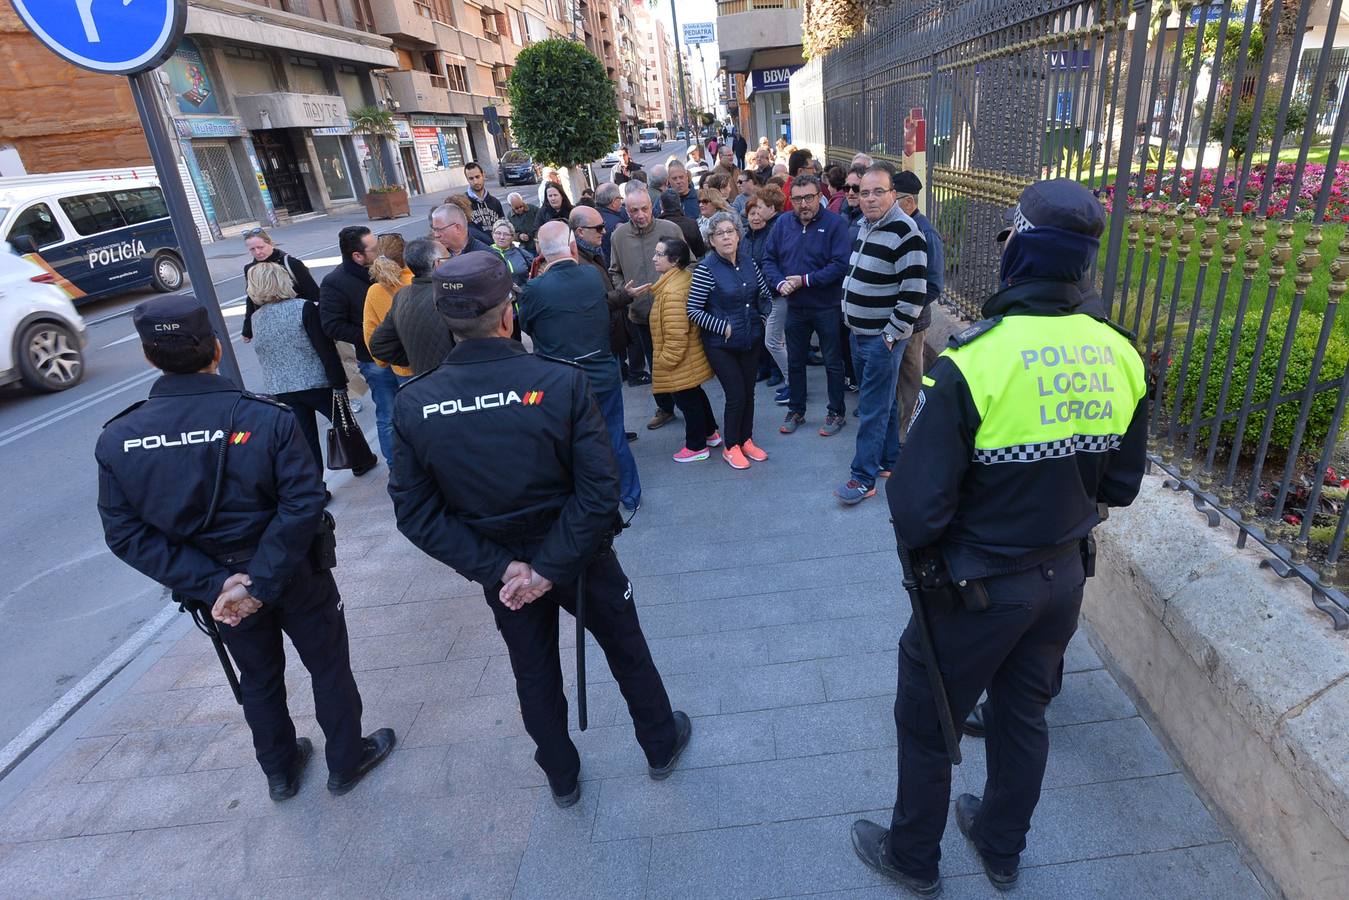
x=974 y=722
x=869 y=843
x=285 y=785
x=967 y=810
x=377 y=746
x=683 y=731
x=566 y=798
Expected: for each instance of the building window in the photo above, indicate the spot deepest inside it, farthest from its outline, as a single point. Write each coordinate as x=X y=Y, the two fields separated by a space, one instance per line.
x=244 y=52
x=306 y=62
x=439 y=10
x=458 y=78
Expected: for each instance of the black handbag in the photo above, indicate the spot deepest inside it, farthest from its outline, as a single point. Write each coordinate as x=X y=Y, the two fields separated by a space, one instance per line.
x=347 y=447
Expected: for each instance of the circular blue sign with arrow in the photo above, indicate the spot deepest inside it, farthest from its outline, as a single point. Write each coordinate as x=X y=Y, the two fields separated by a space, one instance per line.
x=116 y=37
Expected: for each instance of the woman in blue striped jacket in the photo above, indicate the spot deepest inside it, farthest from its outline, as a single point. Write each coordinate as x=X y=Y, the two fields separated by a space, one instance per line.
x=729 y=301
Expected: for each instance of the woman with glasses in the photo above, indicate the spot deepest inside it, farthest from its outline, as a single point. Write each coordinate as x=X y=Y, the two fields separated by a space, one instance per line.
x=729 y=300
x=846 y=202
x=260 y=246
x=517 y=259
x=746 y=183
x=679 y=363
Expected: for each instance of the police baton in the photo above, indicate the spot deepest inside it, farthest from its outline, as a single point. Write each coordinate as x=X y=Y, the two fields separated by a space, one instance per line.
x=201 y=616
x=935 y=682
x=581 y=718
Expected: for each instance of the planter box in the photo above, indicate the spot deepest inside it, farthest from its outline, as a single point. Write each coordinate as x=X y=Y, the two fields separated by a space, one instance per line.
x=387 y=204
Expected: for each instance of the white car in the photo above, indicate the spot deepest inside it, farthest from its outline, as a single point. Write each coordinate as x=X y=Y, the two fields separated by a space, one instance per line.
x=612 y=159
x=42 y=338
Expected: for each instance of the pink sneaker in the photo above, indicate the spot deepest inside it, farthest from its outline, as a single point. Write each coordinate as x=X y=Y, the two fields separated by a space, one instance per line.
x=686 y=455
x=714 y=440
x=752 y=451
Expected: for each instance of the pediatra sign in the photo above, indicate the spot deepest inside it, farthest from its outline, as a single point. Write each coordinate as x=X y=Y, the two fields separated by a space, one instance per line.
x=699 y=33
x=114 y=38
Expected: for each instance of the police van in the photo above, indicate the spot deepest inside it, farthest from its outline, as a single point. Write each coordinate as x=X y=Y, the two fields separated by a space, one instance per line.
x=98 y=237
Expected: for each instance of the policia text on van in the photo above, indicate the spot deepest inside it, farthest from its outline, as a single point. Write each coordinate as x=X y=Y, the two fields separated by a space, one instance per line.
x=100 y=237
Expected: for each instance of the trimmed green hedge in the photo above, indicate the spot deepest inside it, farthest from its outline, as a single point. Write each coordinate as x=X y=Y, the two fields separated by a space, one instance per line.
x=1295 y=378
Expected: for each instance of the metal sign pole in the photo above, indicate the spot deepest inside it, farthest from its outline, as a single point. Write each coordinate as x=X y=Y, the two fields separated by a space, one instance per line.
x=145 y=92
x=683 y=95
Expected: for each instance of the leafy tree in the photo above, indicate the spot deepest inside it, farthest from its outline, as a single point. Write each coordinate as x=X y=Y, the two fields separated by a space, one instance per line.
x=373 y=122
x=562 y=104
x=1245 y=116
x=1236 y=30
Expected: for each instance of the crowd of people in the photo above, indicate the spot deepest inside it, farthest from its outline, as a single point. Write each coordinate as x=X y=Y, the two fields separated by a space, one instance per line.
x=748 y=270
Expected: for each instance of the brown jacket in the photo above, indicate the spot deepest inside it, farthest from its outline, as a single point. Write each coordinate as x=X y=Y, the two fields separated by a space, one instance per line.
x=680 y=363
x=630 y=253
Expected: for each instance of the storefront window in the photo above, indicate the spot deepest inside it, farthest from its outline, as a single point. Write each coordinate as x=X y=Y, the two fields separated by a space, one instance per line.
x=453 y=155
x=333 y=165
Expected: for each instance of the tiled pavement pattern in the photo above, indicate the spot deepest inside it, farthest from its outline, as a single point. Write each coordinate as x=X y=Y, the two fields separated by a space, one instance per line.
x=773 y=615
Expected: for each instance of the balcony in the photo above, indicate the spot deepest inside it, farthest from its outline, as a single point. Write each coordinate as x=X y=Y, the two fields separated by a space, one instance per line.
x=419 y=92
x=406 y=20
x=746 y=26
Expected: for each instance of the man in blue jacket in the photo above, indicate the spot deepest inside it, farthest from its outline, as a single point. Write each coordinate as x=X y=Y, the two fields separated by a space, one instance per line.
x=565 y=312
x=806 y=259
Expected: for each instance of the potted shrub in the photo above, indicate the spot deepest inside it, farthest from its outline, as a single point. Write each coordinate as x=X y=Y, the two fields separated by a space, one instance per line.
x=383 y=200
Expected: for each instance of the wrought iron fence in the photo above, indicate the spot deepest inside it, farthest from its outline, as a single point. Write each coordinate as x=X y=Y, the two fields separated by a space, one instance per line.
x=1212 y=133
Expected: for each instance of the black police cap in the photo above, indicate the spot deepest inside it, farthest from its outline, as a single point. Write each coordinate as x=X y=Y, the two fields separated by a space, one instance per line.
x=1056 y=203
x=181 y=315
x=471 y=284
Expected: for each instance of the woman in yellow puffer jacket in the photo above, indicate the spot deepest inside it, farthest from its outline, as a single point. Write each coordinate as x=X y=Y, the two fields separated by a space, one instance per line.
x=680 y=366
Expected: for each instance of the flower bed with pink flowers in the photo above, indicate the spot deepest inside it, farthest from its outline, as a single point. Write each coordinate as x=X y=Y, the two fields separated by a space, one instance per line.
x=1201 y=188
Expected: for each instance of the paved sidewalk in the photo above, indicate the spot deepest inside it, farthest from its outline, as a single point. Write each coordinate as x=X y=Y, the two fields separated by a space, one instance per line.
x=772 y=613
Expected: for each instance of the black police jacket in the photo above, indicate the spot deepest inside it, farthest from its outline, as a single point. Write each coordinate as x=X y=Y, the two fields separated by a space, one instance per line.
x=1024 y=424
x=157 y=463
x=502 y=455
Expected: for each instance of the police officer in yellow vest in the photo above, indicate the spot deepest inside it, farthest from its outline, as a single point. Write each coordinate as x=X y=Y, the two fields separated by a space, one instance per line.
x=1029 y=421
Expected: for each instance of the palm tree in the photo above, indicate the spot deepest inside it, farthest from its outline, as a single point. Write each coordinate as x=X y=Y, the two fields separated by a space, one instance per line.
x=373 y=122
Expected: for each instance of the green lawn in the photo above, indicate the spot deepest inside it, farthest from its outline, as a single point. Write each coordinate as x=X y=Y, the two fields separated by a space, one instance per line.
x=1314 y=302
x=1315 y=155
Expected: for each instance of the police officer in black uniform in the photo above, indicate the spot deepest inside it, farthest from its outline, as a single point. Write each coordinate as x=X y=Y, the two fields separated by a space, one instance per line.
x=213 y=493
x=1030 y=421
x=503 y=471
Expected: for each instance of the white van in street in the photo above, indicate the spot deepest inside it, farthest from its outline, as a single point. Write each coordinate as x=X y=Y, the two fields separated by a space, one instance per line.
x=42 y=338
x=648 y=140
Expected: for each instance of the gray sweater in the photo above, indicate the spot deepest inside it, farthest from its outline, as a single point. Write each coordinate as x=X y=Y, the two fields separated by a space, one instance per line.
x=285 y=349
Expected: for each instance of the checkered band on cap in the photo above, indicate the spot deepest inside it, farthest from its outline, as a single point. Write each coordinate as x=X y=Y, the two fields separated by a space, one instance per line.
x=1083 y=443
x=1019 y=221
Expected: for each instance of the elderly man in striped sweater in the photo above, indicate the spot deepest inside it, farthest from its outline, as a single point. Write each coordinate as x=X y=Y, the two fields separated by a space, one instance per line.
x=883 y=294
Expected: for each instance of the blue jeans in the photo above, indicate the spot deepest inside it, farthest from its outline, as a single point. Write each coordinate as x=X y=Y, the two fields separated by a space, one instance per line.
x=611 y=408
x=878 y=411
x=383 y=388
x=825 y=323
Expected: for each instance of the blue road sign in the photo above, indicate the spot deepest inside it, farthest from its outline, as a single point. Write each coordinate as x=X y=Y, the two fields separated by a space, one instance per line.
x=116 y=37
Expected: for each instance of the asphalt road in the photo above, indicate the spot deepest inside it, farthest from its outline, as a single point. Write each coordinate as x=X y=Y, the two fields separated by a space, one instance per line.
x=66 y=602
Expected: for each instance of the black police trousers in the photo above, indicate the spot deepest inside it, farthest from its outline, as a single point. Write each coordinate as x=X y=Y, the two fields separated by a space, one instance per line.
x=310 y=614
x=1013 y=650
x=531 y=634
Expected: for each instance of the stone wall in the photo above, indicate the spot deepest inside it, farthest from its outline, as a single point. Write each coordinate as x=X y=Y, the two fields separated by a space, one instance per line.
x=1246 y=679
x=60 y=117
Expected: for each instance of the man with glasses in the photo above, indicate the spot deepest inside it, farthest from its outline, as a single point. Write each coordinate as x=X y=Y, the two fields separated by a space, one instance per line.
x=806 y=259
x=414 y=334
x=449 y=226
x=632 y=270
x=565 y=309
x=586 y=225
x=609 y=201
x=883 y=295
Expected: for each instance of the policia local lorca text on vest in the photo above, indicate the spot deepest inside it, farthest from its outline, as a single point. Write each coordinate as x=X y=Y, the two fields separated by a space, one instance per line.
x=1038 y=391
